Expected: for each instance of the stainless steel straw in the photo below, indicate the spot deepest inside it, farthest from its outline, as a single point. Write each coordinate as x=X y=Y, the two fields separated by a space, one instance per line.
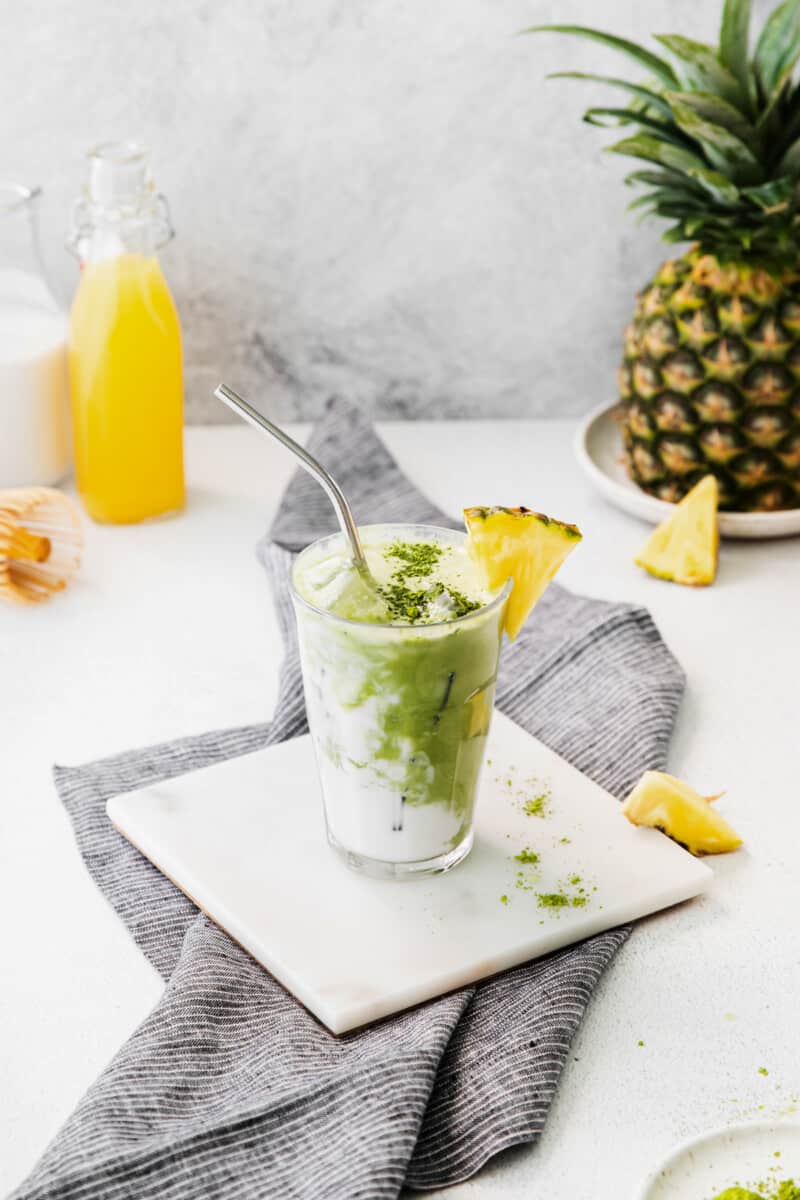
x=334 y=492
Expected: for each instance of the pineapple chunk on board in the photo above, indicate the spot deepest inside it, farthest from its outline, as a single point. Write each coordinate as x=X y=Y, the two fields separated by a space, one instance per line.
x=663 y=802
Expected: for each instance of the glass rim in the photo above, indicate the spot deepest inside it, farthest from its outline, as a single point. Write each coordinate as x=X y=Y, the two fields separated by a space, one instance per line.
x=126 y=150
x=501 y=596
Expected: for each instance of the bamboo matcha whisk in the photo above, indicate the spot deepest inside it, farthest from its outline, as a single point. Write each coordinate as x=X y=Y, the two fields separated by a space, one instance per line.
x=40 y=543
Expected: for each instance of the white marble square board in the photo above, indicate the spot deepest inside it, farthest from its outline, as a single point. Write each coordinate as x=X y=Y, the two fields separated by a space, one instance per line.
x=245 y=840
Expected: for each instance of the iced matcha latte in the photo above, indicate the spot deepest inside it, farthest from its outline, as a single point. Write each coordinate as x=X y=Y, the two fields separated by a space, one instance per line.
x=399 y=687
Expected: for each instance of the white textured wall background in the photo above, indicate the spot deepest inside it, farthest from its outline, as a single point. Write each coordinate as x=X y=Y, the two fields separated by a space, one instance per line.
x=378 y=197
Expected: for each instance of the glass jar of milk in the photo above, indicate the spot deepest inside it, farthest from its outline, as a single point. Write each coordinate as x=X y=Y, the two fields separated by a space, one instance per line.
x=34 y=398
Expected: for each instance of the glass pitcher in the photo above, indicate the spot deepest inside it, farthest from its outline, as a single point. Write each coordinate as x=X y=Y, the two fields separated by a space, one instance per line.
x=125 y=345
x=34 y=399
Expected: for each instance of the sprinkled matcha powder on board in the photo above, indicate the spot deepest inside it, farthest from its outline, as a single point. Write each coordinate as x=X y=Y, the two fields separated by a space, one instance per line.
x=527 y=856
x=536 y=806
x=552 y=900
x=763 y=1071
x=531 y=796
x=571 y=894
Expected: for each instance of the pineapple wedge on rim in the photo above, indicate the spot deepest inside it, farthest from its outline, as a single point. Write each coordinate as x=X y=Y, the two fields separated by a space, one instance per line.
x=663 y=802
x=684 y=548
x=518 y=544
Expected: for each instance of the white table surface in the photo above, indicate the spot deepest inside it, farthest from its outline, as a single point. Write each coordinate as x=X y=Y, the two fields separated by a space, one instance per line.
x=169 y=630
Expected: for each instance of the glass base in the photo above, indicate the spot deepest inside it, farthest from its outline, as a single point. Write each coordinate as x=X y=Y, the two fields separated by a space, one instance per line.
x=378 y=869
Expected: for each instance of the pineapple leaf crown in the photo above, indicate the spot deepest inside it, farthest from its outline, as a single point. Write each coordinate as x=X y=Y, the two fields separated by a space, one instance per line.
x=720 y=131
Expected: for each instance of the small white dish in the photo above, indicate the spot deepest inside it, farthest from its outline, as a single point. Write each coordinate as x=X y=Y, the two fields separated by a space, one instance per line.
x=598 y=446
x=760 y=1152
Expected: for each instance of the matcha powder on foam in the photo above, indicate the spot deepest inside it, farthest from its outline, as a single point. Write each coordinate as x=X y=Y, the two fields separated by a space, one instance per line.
x=417 y=583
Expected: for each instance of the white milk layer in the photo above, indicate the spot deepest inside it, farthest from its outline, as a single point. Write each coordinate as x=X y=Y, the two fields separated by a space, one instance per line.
x=364 y=809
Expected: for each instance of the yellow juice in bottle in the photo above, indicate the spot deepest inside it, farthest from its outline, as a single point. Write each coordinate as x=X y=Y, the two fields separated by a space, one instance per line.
x=127 y=390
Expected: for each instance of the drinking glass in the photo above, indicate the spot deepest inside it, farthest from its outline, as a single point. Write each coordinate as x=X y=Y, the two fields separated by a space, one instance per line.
x=399 y=716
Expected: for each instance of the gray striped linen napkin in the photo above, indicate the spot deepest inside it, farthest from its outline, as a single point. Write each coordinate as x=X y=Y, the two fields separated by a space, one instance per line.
x=230 y=1088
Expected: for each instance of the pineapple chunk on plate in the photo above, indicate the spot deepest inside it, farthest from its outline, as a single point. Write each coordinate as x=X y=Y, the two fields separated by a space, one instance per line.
x=518 y=544
x=684 y=548
x=663 y=802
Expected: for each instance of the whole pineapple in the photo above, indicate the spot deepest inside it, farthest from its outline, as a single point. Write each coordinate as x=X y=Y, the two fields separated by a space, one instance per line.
x=710 y=379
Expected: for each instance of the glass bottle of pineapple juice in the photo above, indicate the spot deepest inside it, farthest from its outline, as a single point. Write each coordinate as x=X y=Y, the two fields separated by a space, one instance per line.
x=126 y=375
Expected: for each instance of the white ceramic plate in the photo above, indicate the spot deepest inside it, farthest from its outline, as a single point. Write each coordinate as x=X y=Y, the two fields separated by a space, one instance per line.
x=762 y=1151
x=598 y=445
